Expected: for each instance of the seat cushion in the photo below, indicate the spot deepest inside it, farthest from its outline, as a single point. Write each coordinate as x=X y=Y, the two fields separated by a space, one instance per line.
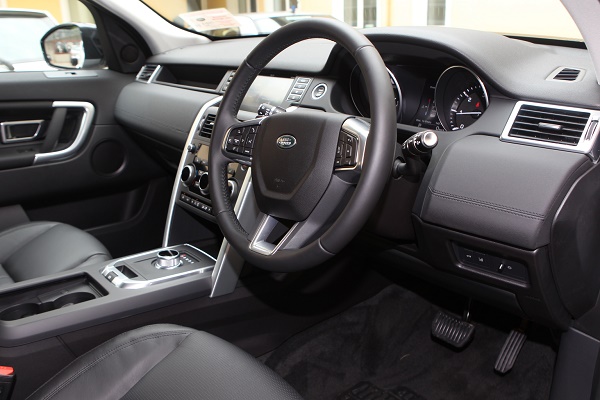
x=166 y=362
x=37 y=249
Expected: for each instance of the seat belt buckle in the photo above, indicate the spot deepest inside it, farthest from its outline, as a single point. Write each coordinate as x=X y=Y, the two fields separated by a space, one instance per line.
x=7 y=382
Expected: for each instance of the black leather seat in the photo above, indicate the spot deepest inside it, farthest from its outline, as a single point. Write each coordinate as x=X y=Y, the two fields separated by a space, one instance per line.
x=166 y=362
x=37 y=249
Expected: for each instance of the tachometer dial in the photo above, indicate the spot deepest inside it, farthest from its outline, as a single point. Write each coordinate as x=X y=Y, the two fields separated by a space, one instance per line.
x=461 y=98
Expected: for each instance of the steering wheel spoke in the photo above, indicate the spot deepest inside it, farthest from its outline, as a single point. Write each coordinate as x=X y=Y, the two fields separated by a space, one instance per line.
x=351 y=147
x=239 y=141
x=271 y=234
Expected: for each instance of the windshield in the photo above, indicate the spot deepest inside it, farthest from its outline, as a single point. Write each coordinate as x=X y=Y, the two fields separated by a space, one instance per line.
x=535 y=18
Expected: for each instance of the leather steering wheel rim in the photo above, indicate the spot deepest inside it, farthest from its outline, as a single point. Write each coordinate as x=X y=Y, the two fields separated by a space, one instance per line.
x=377 y=159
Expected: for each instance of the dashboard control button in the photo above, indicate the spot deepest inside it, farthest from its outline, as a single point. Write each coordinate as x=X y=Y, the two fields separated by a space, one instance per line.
x=319 y=91
x=293 y=97
x=303 y=80
x=300 y=86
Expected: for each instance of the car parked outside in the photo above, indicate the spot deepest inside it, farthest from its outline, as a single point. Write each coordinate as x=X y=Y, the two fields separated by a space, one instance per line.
x=21 y=31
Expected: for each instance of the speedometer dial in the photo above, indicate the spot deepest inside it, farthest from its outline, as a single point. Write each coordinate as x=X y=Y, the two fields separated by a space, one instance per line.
x=466 y=108
x=461 y=98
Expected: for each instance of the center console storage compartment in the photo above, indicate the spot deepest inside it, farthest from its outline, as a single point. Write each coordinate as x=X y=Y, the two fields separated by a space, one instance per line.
x=48 y=297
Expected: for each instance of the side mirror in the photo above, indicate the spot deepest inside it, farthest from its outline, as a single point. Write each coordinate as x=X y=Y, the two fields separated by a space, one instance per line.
x=72 y=46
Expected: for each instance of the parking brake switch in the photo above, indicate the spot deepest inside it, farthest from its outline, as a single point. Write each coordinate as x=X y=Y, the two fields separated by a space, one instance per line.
x=413 y=149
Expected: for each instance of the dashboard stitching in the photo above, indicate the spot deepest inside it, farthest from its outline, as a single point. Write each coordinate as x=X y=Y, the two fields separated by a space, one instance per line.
x=493 y=206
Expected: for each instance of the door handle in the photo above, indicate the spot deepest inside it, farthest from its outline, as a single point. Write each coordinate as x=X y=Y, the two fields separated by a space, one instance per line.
x=55 y=128
x=20 y=131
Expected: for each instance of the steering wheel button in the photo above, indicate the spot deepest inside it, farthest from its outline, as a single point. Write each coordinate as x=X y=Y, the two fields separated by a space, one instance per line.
x=338 y=152
x=247 y=151
x=337 y=162
x=348 y=150
x=250 y=140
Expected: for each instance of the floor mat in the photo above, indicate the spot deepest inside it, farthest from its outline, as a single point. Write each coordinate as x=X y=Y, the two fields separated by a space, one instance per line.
x=368 y=391
x=386 y=340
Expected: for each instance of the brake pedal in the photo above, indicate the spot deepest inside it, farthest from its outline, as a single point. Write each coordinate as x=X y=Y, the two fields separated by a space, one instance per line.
x=451 y=330
x=510 y=351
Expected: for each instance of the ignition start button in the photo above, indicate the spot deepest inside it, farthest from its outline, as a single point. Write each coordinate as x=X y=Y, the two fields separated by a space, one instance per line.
x=319 y=91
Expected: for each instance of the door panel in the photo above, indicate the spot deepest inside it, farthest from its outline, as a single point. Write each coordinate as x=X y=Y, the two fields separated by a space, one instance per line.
x=104 y=184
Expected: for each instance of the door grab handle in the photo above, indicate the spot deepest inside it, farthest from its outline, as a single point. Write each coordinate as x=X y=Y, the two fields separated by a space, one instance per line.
x=20 y=131
x=84 y=128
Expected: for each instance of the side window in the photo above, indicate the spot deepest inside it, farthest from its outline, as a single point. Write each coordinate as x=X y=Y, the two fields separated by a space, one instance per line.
x=23 y=23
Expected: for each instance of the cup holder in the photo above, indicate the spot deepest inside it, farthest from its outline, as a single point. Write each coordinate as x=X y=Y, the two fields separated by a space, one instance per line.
x=28 y=309
x=20 y=311
x=72 y=298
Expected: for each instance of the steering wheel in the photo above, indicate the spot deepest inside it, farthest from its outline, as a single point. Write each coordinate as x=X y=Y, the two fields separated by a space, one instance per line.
x=315 y=176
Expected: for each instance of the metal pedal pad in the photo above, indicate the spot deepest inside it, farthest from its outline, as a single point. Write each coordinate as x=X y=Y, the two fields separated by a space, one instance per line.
x=451 y=330
x=510 y=351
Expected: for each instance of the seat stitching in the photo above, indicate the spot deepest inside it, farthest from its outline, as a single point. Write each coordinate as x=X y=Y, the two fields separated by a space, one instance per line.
x=101 y=358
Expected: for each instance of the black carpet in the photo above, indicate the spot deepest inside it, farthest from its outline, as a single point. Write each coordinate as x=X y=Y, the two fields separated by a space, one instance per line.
x=386 y=341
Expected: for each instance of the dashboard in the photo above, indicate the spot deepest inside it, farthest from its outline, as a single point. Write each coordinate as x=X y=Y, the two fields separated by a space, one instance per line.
x=492 y=212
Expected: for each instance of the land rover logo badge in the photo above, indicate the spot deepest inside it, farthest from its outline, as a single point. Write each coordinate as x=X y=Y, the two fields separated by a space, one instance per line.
x=286 y=141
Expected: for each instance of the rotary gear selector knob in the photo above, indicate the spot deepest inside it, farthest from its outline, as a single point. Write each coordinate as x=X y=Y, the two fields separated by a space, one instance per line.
x=168 y=259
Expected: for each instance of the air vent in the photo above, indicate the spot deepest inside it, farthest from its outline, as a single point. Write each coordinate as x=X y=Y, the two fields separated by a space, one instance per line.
x=207 y=127
x=548 y=124
x=558 y=127
x=146 y=73
x=565 y=74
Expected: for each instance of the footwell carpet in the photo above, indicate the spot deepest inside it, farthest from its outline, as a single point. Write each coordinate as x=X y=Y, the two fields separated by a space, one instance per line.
x=386 y=341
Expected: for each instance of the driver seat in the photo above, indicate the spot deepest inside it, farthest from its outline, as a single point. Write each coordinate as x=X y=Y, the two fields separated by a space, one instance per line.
x=166 y=362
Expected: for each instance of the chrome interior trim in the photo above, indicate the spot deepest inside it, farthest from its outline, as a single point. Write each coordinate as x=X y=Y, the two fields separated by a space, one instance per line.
x=82 y=134
x=5 y=130
x=123 y=282
x=259 y=243
x=586 y=142
x=229 y=263
x=360 y=130
x=152 y=77
x=175 y=192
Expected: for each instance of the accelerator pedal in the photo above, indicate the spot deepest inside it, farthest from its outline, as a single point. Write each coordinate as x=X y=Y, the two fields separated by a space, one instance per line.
x=510 y=351
x=451 y=330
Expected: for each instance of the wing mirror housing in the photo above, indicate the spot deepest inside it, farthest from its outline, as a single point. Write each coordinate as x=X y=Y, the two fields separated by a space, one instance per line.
x=72 y=46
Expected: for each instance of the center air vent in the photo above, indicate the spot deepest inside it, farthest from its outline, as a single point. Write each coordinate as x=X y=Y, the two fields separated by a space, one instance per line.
x=543 y=125
x=207 y=127
x=146 y=73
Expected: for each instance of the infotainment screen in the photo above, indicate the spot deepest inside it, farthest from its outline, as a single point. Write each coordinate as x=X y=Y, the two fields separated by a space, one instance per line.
x=266 y=89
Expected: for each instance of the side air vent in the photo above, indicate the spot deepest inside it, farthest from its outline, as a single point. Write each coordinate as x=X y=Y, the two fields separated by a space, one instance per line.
x=567 y=128
x=207 y=127
x=549 y=124
x=146 y=72
x=564 y=74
